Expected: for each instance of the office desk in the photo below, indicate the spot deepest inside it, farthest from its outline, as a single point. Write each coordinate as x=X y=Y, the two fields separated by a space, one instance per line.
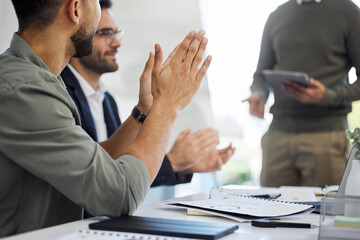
x=245 y=231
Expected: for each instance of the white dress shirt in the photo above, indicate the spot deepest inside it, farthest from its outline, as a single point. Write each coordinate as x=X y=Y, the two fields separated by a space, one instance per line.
x=95 y=100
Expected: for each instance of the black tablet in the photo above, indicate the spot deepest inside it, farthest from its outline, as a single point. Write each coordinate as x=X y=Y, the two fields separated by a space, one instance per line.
x=166 y=227
x=276 y=78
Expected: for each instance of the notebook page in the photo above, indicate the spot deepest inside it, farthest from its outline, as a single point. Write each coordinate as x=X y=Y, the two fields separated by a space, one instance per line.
x=255 y=207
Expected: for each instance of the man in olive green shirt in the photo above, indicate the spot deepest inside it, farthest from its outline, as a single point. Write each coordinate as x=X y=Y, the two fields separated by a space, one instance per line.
x=48 y=165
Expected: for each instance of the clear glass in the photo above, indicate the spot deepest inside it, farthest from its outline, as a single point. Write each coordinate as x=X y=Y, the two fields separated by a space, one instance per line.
x=334 y=224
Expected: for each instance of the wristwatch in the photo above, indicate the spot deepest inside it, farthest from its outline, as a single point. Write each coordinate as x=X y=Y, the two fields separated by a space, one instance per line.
x=139 y=116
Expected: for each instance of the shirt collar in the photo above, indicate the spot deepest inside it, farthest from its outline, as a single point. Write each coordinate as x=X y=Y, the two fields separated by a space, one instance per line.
x=299 y=2
x=86 y=87
x=26 y=52
x=23 y=50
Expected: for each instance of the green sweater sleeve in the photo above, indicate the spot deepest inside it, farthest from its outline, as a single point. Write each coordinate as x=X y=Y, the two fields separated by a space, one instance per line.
x=266 y=60
x=344 y=93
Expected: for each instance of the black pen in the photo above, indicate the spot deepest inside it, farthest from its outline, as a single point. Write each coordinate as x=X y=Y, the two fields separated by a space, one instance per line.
x=267 y=196
x=273 y=224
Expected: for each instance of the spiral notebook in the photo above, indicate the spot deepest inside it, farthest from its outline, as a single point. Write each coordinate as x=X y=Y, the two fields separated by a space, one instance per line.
x=83 y=234
x=245 y=207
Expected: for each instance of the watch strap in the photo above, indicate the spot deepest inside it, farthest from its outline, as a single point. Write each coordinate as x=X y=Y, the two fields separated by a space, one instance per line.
x=139 y=116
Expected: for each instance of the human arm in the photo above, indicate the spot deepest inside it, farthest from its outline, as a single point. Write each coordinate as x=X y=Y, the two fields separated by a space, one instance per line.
x=259 y=88
x=167 y=176
x=128 y=130
x=51 y=147
x=341 y=93
x=331 y=88
x=172 y=89
x=267 y=60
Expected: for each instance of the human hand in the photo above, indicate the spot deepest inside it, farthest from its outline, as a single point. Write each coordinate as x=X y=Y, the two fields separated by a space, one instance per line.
x=256 y=106
x=212 y=161
x=307 y=95
x=145 y=96
x=179 y=78
x=190 y=147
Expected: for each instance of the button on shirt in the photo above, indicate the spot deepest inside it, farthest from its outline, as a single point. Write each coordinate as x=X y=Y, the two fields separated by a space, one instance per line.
x=95 y=100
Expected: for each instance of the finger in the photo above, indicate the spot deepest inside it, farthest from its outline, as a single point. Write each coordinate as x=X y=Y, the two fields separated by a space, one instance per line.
x=218 y=164
x=225 y=157
x=149 y=64
x=204 y=131
x=199 y=55
x=312 y=81
x=203 y=142
x=157 y=60
x=205 y=146
x=185 y=133
x=203 y=69
x=184 y=46
x=226 y=154
x=224 y=150
x=171 y=56
x=206 y=136
x=296 y=86
x=193 y=49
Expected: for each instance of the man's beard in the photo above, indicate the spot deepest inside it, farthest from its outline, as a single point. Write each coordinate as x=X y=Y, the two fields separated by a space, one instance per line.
x=94 y=63
x=83 y=44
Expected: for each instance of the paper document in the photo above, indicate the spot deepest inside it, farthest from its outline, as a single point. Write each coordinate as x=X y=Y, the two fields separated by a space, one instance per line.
x=287 y=193
x=223 y=193
x=247 y=206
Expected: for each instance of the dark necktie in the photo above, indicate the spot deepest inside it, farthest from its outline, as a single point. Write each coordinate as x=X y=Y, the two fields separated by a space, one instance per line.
x=110 y=114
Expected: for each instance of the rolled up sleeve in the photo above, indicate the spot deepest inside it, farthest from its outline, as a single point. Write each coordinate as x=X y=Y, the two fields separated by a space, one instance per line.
x=40 y=132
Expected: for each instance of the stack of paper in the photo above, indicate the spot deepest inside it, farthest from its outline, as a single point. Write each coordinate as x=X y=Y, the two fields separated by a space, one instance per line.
x=243 y=208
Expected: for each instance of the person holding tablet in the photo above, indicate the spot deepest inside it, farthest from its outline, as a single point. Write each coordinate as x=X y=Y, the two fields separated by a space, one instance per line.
x=306 y=143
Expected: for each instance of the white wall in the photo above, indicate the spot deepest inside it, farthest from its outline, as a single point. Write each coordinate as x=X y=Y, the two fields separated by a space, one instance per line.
x=8 y=24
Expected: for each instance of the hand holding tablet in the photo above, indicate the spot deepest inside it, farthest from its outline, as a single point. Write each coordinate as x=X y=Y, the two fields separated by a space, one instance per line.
x=277 y=78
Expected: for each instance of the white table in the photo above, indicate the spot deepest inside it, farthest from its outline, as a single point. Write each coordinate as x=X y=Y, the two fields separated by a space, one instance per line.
x=245 y=231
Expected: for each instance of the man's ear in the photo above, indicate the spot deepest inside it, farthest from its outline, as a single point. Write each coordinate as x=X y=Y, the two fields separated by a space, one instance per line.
x=74 y=11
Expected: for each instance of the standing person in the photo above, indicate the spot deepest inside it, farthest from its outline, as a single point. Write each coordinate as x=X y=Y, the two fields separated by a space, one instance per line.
x=306 y=143
x=99 y=113
x=49 y=166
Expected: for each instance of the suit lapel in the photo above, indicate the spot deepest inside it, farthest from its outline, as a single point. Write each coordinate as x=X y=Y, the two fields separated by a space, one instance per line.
x=77 y=94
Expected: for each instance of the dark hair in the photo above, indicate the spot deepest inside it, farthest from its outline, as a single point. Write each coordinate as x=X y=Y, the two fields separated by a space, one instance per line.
x=37 y=13
x=105 y=4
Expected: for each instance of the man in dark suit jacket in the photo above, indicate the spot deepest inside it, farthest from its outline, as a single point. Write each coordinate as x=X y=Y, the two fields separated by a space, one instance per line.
x=191 y=153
